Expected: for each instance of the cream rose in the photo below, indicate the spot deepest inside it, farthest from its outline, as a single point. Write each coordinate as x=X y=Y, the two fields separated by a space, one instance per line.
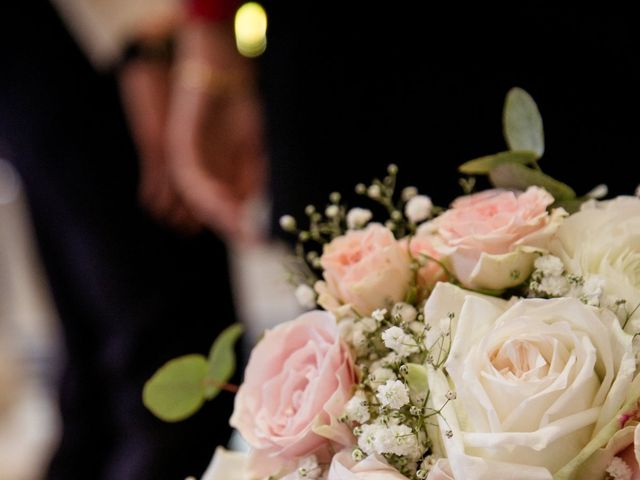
x=364 y=270
x=602 y=242
x=297 y=382
x=535 y=381
x=490 y=238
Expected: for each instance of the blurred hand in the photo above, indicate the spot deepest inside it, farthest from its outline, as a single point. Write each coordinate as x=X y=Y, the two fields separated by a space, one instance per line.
x=215 y=147
x=145 y=88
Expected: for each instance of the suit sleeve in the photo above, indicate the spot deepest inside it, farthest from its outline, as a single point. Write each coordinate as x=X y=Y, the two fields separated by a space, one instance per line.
x=104 y=28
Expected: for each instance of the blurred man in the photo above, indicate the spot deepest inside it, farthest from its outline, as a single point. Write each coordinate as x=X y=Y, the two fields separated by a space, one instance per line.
x=121 y=177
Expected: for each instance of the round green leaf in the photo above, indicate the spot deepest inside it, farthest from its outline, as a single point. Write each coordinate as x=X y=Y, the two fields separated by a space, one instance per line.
x=514 y=176
x=483 y=165
x=222 y=360
x=176 y=390
x=522 y=122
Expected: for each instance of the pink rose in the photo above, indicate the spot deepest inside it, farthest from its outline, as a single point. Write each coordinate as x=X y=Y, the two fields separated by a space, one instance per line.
x=374 y=467
x=296 y=385
x=620 y=454
x=365 y=269
x=490 y=238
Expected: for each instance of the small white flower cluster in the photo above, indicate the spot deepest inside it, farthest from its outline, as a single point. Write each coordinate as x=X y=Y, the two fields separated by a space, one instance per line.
x=393 y=394
x=306 y=296
x=618 y=469
x=598 y=192
x=591 y=291
x=309 y=469
x=380 y=375
x=357 y=332
x=550 y=280
x=357 y=409
x=396 y=339
x=387 y=417
x=379 y=314
x=358 y=218
x=396 y=439
x=404 y=313
x=418 y=208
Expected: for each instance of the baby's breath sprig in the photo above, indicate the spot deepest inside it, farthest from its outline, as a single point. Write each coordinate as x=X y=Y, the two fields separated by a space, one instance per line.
x=322 y=227
x=392 y=411
x=405 y=212
x=383 y=192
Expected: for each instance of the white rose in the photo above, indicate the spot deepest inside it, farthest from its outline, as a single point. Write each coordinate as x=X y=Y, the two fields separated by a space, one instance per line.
x=536 y=380
x=604 y=240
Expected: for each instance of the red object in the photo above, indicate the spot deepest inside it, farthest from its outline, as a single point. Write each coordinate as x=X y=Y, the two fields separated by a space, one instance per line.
x=212 y=10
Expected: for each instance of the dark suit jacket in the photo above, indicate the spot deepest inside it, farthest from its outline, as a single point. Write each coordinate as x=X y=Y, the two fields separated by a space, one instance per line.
x=130 y=293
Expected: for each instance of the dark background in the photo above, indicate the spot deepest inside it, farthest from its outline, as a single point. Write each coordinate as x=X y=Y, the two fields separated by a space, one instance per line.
x=351 y=88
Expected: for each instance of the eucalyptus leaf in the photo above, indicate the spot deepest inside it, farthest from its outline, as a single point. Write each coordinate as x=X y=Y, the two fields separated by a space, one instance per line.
x=522 y=122
x=483 y=165
x=514 y=176
x=176 y=390
x=222 y=360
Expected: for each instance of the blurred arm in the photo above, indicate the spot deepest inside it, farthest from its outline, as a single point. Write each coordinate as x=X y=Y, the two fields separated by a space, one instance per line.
x=196 y=120
x=215 y=121
x=104 y=28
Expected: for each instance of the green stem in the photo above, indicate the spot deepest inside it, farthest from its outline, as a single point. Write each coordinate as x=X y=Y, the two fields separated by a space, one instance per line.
x=227 y=387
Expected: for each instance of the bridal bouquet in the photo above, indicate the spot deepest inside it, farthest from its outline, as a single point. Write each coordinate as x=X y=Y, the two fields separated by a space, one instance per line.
x=494 y=339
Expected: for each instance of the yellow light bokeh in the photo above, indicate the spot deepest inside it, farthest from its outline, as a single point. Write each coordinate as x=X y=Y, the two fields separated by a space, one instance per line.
x=251 y=29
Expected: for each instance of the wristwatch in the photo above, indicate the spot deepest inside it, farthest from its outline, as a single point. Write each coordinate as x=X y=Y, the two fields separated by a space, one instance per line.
x=157 y=50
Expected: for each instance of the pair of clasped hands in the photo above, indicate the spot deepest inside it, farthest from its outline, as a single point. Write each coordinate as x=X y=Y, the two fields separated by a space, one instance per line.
x=196 y=121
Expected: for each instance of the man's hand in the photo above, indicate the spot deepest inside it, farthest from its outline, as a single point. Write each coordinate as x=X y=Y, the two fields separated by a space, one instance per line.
x=215 y=147
x=145 y=87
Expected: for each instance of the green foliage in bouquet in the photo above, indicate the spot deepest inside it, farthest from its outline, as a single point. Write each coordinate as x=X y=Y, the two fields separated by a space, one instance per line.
x=517 y=168
x=181 y=386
